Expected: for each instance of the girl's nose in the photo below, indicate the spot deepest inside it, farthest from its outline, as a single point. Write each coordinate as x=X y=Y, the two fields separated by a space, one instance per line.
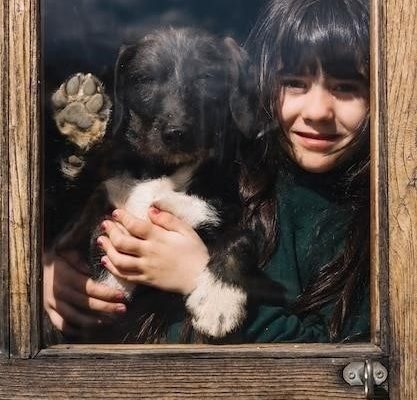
x=318 y=105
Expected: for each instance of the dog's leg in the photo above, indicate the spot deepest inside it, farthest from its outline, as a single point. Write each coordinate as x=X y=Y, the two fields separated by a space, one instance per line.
x=81 y=110
x=218 y=305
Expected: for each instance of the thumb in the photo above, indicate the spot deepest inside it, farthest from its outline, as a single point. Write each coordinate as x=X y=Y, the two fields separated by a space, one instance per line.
x=167 y=220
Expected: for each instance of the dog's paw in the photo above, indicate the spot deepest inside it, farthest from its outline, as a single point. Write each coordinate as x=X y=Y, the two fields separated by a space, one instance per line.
x=216 y=308
x=81 y=110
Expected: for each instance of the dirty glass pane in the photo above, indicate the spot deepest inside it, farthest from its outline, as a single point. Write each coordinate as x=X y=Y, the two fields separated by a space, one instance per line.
x=232 y=139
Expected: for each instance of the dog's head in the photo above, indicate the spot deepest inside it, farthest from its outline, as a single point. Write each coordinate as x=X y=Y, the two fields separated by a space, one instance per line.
x=182 y=96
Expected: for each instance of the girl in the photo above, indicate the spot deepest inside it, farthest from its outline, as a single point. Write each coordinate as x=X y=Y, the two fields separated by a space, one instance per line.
x=307 y=173
x=312 y=61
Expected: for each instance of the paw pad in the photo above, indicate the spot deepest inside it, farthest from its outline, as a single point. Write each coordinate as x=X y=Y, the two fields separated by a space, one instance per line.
x=81 y=110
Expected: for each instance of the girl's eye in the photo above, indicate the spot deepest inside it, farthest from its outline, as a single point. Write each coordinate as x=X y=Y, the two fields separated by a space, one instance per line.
x=346 y=87
x=294 y=84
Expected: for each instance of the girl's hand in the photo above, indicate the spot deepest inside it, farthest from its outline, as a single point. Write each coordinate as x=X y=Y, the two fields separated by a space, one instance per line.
x=164 y=252
x=72 y=300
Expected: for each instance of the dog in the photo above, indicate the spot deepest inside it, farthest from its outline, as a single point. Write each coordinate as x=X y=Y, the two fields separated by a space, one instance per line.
x=182 y=105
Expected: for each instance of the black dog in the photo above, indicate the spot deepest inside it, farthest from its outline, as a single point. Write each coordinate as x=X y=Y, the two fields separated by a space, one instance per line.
x=182 y=106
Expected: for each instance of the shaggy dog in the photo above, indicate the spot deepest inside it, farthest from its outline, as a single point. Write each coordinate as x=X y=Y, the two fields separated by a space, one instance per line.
x=182 y=105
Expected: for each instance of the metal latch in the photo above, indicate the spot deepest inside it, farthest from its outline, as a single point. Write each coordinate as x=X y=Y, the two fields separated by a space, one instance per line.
x=368 y=374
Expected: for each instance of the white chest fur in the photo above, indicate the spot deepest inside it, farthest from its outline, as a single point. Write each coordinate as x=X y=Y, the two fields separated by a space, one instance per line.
x=137 y=196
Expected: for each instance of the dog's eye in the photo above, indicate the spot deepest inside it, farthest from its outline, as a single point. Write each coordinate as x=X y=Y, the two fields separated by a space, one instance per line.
x=145 y=79
x=205 y=76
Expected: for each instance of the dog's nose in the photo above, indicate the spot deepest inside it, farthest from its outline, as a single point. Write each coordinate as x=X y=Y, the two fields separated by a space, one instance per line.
x=174 y=136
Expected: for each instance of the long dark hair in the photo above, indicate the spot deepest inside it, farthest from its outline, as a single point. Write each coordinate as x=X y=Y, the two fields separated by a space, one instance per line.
x=298 y=37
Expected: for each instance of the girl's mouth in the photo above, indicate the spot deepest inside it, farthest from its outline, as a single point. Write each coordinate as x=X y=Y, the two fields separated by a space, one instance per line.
x=317 y=141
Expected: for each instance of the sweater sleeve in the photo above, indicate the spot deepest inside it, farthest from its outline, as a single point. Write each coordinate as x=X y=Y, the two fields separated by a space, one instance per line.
x=276 y=324
x=302 y=249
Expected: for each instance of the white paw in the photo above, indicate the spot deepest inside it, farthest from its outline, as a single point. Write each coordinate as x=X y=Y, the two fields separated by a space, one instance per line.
x=217 y=309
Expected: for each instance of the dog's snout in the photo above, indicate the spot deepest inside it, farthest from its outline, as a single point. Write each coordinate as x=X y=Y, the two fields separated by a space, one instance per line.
x=174 y=136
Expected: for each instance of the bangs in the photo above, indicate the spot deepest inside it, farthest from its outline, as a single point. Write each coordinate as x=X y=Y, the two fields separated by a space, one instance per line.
x=325 y=36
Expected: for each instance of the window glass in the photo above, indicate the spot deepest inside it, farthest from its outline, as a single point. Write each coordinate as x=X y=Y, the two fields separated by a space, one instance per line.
x=208 y=164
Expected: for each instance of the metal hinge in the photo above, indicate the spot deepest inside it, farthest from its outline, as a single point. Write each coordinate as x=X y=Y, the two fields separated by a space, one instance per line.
x=368 y=374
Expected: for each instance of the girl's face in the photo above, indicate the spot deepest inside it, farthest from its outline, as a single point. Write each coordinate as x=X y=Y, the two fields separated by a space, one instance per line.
x=321 y=115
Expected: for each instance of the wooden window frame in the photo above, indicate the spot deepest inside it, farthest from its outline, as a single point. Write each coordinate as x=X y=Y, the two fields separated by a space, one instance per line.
x=175 y=371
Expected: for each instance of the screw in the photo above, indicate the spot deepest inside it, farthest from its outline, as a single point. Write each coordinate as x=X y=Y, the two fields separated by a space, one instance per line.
x=379 y=373
x=351 y=375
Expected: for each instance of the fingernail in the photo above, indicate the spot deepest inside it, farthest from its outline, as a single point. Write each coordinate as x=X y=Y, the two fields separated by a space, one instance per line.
x=104 y=261
x=103 y=226
x=155 y=210
x=121 y=308
x=115 y=214
x=100 y=241
x=120 y=297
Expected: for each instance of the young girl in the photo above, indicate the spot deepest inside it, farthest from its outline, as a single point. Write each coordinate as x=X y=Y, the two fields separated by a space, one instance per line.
x=312 y=60
x=307 y=173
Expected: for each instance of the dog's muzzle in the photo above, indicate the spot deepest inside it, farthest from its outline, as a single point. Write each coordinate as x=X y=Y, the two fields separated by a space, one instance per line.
x=177 y=138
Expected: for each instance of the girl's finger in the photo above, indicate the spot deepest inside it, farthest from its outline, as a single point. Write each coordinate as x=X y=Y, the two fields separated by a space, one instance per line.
x=135 y=226
x=102 y=292
x=168 y=221
x=84 y=302
x=124 y=263
x=75 y=317
x=135 y=276
x=124 y=243
x=78 y=282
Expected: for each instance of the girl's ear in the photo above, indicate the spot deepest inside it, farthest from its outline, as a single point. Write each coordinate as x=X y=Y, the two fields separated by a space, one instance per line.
x=119 y=110
x=242 y=98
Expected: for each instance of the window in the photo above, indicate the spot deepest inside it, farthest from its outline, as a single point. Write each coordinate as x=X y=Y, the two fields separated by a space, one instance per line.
x=269 y=371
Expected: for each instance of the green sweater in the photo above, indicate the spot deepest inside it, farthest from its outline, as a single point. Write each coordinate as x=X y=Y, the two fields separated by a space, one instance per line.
x=313 y=228
x=312 y=232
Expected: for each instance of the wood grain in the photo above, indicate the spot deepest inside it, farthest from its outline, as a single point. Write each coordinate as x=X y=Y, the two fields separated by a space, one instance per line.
x=401 y=51
x=135 y=378
x=24 y=176
x=248 y=351
x=4 y=195
x=273 y=372
x=379 y=177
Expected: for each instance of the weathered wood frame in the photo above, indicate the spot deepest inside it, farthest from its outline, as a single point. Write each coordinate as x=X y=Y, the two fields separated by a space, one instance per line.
x=268 y=371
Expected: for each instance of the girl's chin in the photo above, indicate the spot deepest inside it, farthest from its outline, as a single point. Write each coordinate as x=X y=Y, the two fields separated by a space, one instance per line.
x=317 y=164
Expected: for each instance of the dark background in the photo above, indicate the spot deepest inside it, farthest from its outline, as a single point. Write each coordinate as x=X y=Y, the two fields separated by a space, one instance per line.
x=84 y=35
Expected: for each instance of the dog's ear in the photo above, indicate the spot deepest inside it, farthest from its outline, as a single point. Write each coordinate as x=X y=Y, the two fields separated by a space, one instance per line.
x=120 y=71
x=242 y=93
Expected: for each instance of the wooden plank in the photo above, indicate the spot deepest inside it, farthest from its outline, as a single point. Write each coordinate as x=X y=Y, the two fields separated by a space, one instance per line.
x=401 y=50
x=280 y=350
x=135 y=378
x=4 y=199
x=379 y=178
x=24 y=177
